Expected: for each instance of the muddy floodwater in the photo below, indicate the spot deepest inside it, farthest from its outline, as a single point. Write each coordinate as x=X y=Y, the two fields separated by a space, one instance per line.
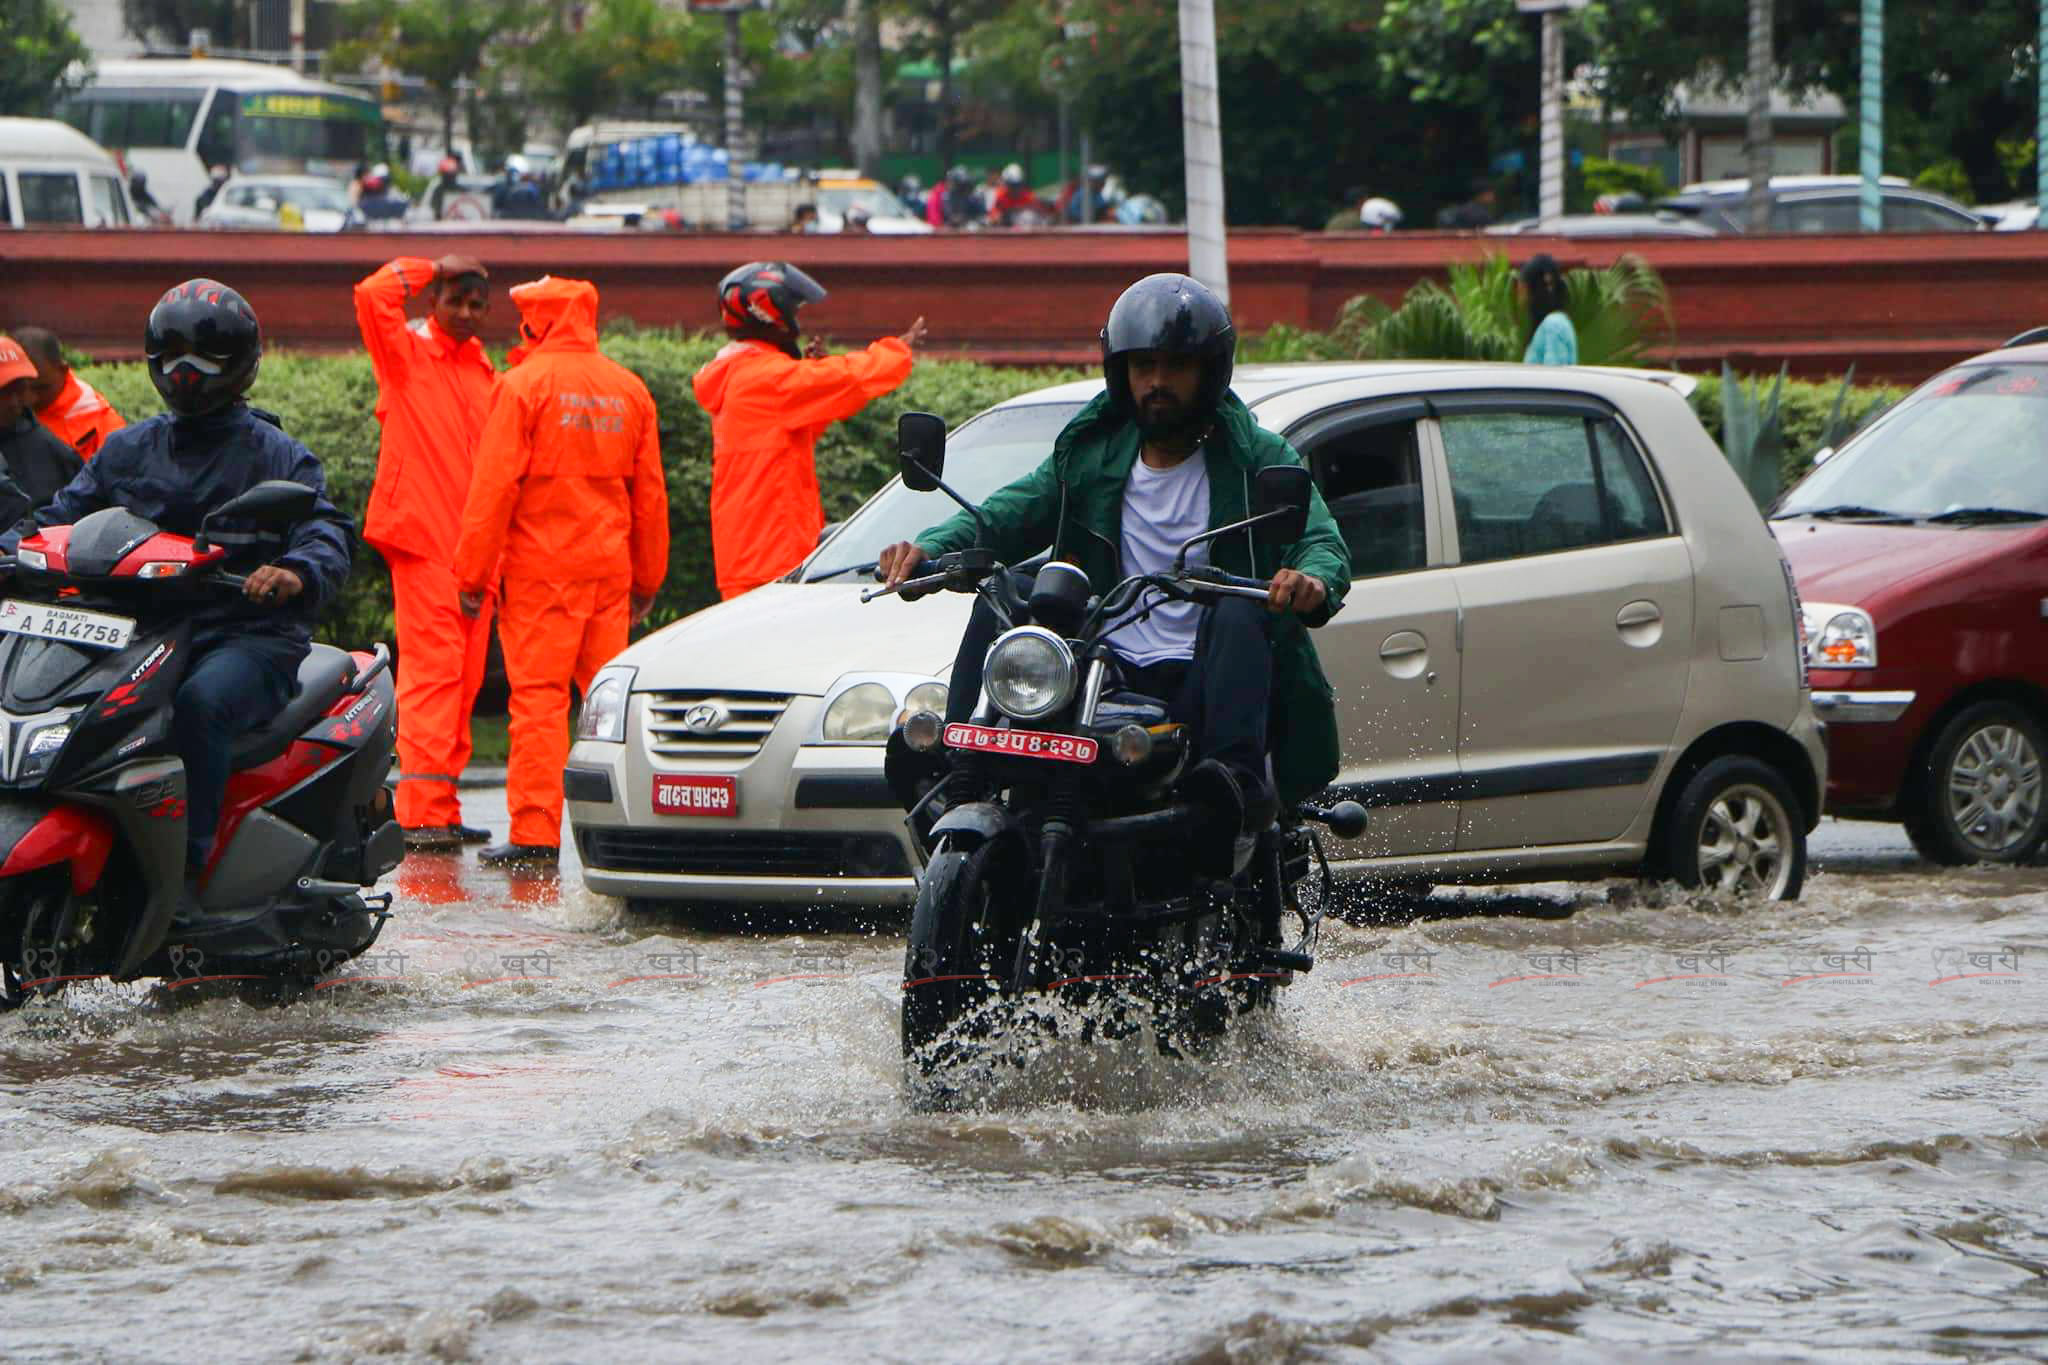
x=1585 y=1121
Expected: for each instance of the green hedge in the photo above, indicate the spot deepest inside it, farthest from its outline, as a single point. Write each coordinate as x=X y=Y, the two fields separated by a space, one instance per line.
x=328 y=401
x=1803 y=410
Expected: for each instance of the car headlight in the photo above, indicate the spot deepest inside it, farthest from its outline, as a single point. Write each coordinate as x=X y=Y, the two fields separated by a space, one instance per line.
x=929 y=696
x=1030 y=673
x=1839 y=636
x=861 y=714
x=603 y=716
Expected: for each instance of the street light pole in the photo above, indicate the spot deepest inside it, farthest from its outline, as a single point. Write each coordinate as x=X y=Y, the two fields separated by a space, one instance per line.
x=735 y=128
x=1757 y=145
x=1550 y=191
x=2041 y=123
x=1870 y=133
x=1202 y=141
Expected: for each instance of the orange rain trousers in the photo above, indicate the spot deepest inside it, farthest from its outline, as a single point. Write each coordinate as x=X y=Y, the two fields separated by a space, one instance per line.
x=555 y=634
x=440 y=667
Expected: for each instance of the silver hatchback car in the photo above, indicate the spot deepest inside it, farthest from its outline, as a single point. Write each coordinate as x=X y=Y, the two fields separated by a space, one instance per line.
x=1571 y=649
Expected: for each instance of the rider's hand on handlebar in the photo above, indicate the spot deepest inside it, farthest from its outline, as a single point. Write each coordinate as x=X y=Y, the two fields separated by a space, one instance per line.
x=1295 y=591
x=899 y=561
x=272 y=585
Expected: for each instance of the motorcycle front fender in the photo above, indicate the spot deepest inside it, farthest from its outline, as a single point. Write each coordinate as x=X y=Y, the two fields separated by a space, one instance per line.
x=986 y=820
x=34 y=835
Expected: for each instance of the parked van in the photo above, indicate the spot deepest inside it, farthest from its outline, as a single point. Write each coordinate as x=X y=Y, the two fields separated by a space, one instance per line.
x=52 y=175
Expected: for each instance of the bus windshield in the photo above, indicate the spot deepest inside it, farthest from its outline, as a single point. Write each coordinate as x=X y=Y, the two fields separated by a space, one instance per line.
x=280 y=133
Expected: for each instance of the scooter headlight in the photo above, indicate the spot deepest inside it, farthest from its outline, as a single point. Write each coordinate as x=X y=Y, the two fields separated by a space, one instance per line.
x=1030 y=673
x=604 y=706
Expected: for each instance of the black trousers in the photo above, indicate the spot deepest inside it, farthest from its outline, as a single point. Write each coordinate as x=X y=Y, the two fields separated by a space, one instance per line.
x=1224 y=692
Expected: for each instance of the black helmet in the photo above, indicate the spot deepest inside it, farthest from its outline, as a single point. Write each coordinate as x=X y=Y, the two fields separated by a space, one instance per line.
x=203 y=345
x=1169 y=313
x=761 y=298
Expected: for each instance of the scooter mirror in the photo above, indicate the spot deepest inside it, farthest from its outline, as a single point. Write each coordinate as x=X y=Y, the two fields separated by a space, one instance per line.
x=921 y=450
x=1277 y=489
x=274 y=502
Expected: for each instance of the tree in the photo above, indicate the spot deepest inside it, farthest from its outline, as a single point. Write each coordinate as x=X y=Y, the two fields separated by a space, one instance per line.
x=864 y=17
x=945 y=23
x=37 y=46
x=625 y=55
x=443 y=42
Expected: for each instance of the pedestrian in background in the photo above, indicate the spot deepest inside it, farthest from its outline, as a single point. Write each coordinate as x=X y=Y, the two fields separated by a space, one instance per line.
x=1554 y=341
x=434 y=388
x=569 y=501
x=769 y=402
x=71 y=408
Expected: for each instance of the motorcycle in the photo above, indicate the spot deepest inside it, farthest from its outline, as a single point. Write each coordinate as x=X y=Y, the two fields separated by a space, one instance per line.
x=1064 y=854
x=95 y=638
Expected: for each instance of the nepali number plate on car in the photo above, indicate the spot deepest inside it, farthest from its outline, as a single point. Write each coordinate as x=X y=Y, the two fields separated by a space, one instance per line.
x=69 y=624
x=1022 y=743
x=718 y=796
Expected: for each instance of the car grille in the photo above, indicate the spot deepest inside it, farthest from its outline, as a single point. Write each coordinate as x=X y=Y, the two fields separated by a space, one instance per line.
x=774 y=854
x=751 y=716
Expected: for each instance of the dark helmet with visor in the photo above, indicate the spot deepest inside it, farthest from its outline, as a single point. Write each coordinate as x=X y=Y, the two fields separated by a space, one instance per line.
x=1171 y=313
x=761 y=298
x=203 y=345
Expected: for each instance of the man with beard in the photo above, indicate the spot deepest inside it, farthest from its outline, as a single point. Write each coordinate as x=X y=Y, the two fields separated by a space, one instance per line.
x=1164 y=454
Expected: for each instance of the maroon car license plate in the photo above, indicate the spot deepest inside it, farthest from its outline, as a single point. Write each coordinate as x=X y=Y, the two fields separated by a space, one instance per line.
x=716 y=796
x=1022 y=743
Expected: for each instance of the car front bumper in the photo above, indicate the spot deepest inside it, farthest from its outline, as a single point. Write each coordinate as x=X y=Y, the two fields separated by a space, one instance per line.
x=1871 y=730
x=815 y=823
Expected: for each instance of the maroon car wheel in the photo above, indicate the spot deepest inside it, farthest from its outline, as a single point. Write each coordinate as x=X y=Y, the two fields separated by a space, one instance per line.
x=1980 y=798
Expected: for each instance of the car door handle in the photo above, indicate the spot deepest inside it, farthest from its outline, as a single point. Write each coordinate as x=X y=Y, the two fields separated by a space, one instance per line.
x=1640 y=623
x=1405 y=653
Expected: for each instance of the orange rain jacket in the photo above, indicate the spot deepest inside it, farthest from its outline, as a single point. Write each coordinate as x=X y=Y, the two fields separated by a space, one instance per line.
x=568 y=484
x=80 y=417
x=433 y=394
x=767 y=411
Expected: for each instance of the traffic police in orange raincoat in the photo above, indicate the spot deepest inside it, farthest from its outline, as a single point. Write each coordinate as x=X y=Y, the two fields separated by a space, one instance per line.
x=769 y=403
x=568 y=496
x=434 y=387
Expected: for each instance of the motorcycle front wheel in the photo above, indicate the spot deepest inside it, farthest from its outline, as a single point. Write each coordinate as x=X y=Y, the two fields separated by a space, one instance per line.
x=955 y=933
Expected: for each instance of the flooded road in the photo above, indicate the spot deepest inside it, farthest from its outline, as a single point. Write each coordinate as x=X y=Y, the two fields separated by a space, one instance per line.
x=1593 y=1121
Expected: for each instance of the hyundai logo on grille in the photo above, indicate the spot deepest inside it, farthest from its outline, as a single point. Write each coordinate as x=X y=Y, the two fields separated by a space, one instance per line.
x=706 y=718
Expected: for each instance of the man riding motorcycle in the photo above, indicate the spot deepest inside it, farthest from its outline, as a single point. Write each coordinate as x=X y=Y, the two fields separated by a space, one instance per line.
x=203 y=346
x=1166 y=453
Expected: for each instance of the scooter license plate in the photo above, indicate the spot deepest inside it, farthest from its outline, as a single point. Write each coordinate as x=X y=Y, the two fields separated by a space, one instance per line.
x=714 y=796
x=95 y=629
x=1022 y=743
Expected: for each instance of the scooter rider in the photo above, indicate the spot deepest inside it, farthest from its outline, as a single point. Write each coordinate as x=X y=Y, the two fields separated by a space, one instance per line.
x=203 y=345
x=1167 y=452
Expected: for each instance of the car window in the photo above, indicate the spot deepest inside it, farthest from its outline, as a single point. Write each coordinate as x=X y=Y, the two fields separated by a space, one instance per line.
x=50 y=197
x=995 y=449
x=6 y=209
x=160 y=121
x=1527 y=483
x=217 y=135
x=1371 y=477
x=1830 y=213
x=1975 y=437
x=1918 y=215
x=108 y=207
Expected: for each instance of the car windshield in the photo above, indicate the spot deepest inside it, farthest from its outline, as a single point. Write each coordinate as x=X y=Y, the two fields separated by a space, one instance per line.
x=878 y=202
x=1976 y=438
x=994 y=449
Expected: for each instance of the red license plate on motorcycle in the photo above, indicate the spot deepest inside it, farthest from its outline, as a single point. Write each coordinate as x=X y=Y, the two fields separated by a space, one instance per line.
x=987 y=739
x=713 y=796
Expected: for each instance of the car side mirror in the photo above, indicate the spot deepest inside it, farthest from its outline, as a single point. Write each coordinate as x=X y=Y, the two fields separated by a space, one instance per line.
x=921 y=450
x=1280 y=499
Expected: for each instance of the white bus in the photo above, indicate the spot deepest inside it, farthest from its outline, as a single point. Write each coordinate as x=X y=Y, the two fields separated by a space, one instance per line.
x=175 y=118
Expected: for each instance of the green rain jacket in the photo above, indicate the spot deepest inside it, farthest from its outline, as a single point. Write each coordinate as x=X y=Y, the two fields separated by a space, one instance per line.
x=1091 y=461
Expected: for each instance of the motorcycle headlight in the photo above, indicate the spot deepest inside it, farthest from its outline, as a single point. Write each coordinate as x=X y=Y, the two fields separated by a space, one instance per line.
x=1030 y=673
x=603 y=716
x=861 y=714
x=1839 y=637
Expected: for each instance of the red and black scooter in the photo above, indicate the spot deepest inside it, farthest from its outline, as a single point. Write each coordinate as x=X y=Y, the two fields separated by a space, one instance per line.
x=95 y=637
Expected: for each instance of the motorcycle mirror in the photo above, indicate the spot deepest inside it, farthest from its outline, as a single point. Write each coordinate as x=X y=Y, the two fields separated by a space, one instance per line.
x=921 y=450
x=1280 y=494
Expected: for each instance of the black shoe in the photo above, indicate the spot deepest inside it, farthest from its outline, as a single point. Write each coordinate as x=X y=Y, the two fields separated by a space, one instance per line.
x=433 y=837
x=520 y=855
x=470 y=834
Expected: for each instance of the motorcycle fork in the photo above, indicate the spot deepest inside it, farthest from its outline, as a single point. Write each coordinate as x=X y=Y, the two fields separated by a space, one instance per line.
x=1055 y=847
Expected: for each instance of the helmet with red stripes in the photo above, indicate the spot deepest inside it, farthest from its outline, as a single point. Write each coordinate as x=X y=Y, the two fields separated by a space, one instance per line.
x=203 y=345
x=761 y=299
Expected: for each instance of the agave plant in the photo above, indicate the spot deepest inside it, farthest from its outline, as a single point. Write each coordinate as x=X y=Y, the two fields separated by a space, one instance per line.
x=1618 y=312
x=1752 y=434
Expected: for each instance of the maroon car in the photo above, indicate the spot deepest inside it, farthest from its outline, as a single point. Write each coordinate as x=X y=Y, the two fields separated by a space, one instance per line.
x=1921 y=553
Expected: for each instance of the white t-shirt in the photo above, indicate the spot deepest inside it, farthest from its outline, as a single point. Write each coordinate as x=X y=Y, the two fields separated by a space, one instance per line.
x=1162 y=508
